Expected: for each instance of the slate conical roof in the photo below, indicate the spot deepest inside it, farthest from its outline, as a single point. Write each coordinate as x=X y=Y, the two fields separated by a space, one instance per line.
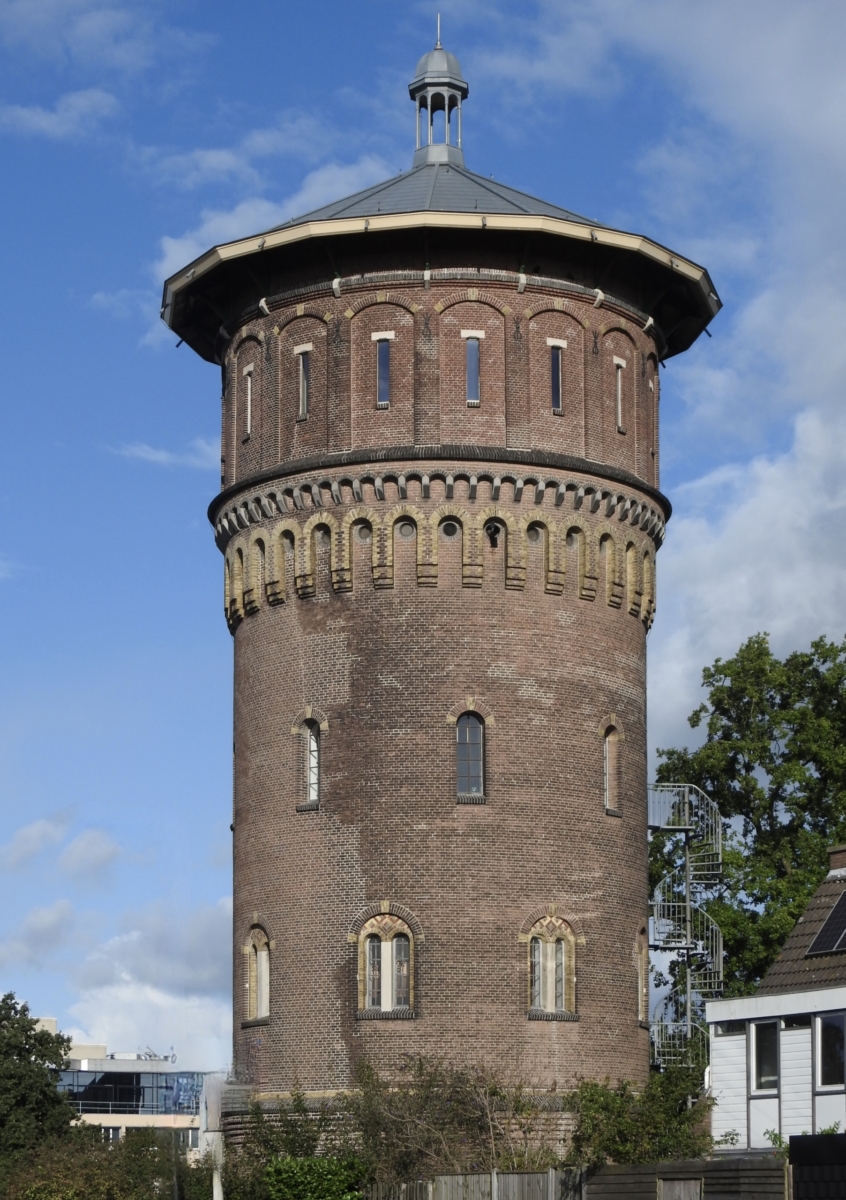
x=438 y=187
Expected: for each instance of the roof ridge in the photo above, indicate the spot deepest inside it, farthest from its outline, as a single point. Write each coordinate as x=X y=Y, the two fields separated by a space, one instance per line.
x=484 y=182
x=348 y=201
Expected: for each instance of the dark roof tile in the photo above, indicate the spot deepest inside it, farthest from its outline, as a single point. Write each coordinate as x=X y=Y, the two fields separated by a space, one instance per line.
x=793 y=971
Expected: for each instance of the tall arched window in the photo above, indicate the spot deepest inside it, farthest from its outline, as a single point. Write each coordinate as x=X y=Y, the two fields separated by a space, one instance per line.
x=258 y=978
x=611 y=768
x=312 y=763
x=470 y=755
x=552 y=970
x=386 y=967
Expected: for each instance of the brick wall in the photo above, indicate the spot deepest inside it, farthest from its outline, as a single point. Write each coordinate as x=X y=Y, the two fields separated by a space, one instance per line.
x=387 y=638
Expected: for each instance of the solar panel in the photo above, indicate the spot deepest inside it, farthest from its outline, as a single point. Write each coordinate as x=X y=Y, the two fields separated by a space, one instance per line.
x=832 y=937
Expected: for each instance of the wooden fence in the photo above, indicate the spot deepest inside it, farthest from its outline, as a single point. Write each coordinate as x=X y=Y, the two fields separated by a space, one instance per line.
x=760 y=1177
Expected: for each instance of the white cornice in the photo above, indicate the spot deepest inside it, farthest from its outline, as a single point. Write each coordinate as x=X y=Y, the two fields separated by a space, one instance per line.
x=289 y=234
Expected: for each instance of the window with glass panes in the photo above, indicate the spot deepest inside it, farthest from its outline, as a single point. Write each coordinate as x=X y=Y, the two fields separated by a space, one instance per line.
x=470 y=753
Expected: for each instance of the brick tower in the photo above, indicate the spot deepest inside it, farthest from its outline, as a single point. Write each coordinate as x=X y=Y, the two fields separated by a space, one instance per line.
x=439 y=514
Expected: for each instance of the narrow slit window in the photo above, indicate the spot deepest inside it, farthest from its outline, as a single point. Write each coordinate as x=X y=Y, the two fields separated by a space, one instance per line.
x=373 y=991
x=611 y=767
x=248 y=401
x=470 y=755
x=619 y=367
x=473 y=370
x=383 y=373
x=555 y=377
x=535 y=990
x=402 y=971
x=313 y=763
x=262 y=982
x=304 y=370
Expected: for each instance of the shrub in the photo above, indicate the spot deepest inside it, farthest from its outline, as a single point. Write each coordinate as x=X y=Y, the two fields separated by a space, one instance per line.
x=314 y=1179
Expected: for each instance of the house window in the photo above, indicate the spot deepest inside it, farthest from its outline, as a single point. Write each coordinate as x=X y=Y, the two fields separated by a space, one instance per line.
x=312 y=763
x=470 y=755
x=383 y=367
x=303 y=356
x=611 y=768
x=386 y=967
x=831 y=1050
x=556 y=362
x=472 y=368
x=258 y=980
x=552 y=976
x=248 y=400
x=765 y=1054
x=619 y=367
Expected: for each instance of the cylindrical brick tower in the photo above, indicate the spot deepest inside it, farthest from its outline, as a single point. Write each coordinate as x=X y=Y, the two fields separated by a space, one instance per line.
x=439 y=515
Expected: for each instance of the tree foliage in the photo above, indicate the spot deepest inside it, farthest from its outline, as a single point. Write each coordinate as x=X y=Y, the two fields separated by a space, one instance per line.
x=314 y=1179
x=31 y=1107
x=774 y=760
x=620 y=1125
x=81 y=1166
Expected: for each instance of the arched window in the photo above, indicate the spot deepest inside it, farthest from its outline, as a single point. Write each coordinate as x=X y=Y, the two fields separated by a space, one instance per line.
x=258 y=978
x=386 y=967
x=470 y=756
x=611 y=768
x=312 y=732
x=552 y=969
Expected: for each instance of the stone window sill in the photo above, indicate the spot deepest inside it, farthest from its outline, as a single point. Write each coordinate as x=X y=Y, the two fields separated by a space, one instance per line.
x=621 y=429
x=470 y=798
x=308 y=807
x=644 y=1024
x=382 y=407
x=541 y=1014
x=613 y=812
x=385 y=1014
x=474 y=404
x=245 y=439
x=255 y=1021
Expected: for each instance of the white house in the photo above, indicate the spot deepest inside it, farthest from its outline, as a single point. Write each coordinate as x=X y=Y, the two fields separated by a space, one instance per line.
x=777 y=1058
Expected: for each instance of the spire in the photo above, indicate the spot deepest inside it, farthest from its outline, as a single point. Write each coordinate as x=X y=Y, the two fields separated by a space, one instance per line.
x=438 y=87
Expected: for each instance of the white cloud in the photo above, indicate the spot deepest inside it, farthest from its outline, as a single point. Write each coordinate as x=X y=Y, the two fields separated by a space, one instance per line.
x=74 y=115
x=205 y=454
x=296 y=135
x=89 y=854
x=165 y=981
x=30 y=840
x=132 y=1016
x=44 y=930
x=92 y=33
x=188 y=954
x=256 y=215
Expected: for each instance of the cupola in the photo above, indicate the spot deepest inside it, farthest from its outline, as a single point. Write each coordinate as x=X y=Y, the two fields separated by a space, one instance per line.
x=438 y=87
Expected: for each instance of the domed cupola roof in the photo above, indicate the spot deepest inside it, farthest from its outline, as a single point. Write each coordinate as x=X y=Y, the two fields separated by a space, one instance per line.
x=438 y=66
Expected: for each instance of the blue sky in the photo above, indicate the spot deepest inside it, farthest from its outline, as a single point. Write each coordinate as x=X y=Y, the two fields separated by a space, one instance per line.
x=135 y=134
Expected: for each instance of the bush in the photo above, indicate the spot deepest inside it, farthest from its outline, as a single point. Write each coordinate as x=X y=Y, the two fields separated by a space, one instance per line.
x=314 y=1179
x=658 y=1124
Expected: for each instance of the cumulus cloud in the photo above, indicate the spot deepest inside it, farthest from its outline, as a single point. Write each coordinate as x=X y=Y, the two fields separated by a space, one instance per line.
x=257 y=214
x=293 y=135
x=44 y=930
x=74 y=115
x=125 y=38
x=89 y=854
x=30 y=840
x=204 y=454
x=131 y=1017
x=188 y=954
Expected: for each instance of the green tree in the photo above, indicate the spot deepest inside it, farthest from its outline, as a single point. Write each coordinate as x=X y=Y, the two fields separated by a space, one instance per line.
x=774 y=761
x=657 y=1124
x=31 y=1106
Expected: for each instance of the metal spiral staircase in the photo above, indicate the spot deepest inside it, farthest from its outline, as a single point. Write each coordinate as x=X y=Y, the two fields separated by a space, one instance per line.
x=680 y=927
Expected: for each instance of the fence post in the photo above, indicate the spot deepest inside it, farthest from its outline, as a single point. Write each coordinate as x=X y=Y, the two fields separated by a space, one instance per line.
x=494 y=1185
x=550 y=1184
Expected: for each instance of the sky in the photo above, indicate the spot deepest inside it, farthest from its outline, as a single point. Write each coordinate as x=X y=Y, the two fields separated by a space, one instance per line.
x=134 y=134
